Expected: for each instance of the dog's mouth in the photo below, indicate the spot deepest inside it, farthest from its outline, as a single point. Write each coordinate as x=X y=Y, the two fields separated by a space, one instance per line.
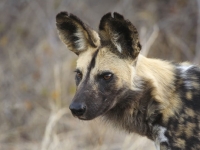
x=87 y=118
x=83 y=117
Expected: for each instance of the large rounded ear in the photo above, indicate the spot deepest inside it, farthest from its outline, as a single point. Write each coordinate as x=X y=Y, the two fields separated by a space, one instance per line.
x=121 y=34
x=75 y=34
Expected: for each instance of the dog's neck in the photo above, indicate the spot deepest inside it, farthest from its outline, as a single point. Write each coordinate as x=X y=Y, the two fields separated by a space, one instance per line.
x=136 y=112
x=141 y=110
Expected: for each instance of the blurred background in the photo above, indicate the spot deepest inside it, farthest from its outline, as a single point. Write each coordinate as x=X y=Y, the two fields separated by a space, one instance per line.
x=36 y=69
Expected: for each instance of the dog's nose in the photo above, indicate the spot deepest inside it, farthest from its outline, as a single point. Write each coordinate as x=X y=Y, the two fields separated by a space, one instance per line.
x=77 y=109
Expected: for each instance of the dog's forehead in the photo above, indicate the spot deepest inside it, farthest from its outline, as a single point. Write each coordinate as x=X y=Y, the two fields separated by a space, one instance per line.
x=105 y=60
x=84 y=59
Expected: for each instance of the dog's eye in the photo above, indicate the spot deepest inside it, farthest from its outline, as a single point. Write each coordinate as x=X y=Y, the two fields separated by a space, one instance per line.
x=107 y=76
x=79 y=75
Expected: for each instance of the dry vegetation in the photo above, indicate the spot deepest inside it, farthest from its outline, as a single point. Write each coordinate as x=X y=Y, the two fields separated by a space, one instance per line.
x=36 y=69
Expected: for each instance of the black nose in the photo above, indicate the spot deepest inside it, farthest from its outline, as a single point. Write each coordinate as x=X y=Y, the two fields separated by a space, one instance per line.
x=77 y=109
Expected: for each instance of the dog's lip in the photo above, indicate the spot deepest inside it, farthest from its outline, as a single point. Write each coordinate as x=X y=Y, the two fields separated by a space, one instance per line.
x=86 y=118
x=82 y=118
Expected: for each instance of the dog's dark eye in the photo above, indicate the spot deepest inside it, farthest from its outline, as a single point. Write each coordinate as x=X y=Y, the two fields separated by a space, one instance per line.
x=107 y=76
x=79 y=75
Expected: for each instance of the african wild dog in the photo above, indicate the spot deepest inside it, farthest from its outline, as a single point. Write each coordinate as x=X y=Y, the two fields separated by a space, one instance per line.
x=151 y=97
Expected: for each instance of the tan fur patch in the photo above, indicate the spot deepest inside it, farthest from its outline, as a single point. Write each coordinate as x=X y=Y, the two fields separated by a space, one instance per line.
x=181 y=120
x=161 y=74
x=190 y=112
x=180 y=143
x=189 y=95
x=196 y=85
x=84 y=60
x=107 y=61
x=182 y=129
x=189 y=130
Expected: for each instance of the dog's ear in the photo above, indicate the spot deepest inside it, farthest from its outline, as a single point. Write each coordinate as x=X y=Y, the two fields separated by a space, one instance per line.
x=121 y=34
x=75 y=34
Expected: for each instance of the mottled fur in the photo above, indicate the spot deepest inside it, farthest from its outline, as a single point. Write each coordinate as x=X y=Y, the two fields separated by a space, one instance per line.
x=151 y=97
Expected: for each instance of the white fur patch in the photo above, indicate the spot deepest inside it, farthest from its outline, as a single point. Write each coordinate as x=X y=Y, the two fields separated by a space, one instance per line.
x=81 y=45
x=184 y=68
x=115 y=37
x=137 y=83
x=161 y=136
x=184 y=75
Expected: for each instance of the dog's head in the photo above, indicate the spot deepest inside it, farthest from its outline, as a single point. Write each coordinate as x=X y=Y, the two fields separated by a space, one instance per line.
x=106 y=60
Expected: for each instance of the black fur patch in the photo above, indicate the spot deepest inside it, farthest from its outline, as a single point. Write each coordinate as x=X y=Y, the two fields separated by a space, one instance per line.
x=184 y=125
x=138 y=121
x=117 y=30
x=93 y=61
x=184 y=84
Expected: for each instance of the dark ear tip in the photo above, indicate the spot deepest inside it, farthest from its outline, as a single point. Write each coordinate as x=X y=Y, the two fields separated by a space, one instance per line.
x=103 y=20
x=74 y=17
x=60 y=15
x=118 y=16
x=106 y=16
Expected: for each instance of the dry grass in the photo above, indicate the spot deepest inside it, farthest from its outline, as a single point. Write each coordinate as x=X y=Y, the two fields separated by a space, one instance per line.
x=36 y=69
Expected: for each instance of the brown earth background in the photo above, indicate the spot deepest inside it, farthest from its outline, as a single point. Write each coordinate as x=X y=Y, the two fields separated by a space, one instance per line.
x=36 y=69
